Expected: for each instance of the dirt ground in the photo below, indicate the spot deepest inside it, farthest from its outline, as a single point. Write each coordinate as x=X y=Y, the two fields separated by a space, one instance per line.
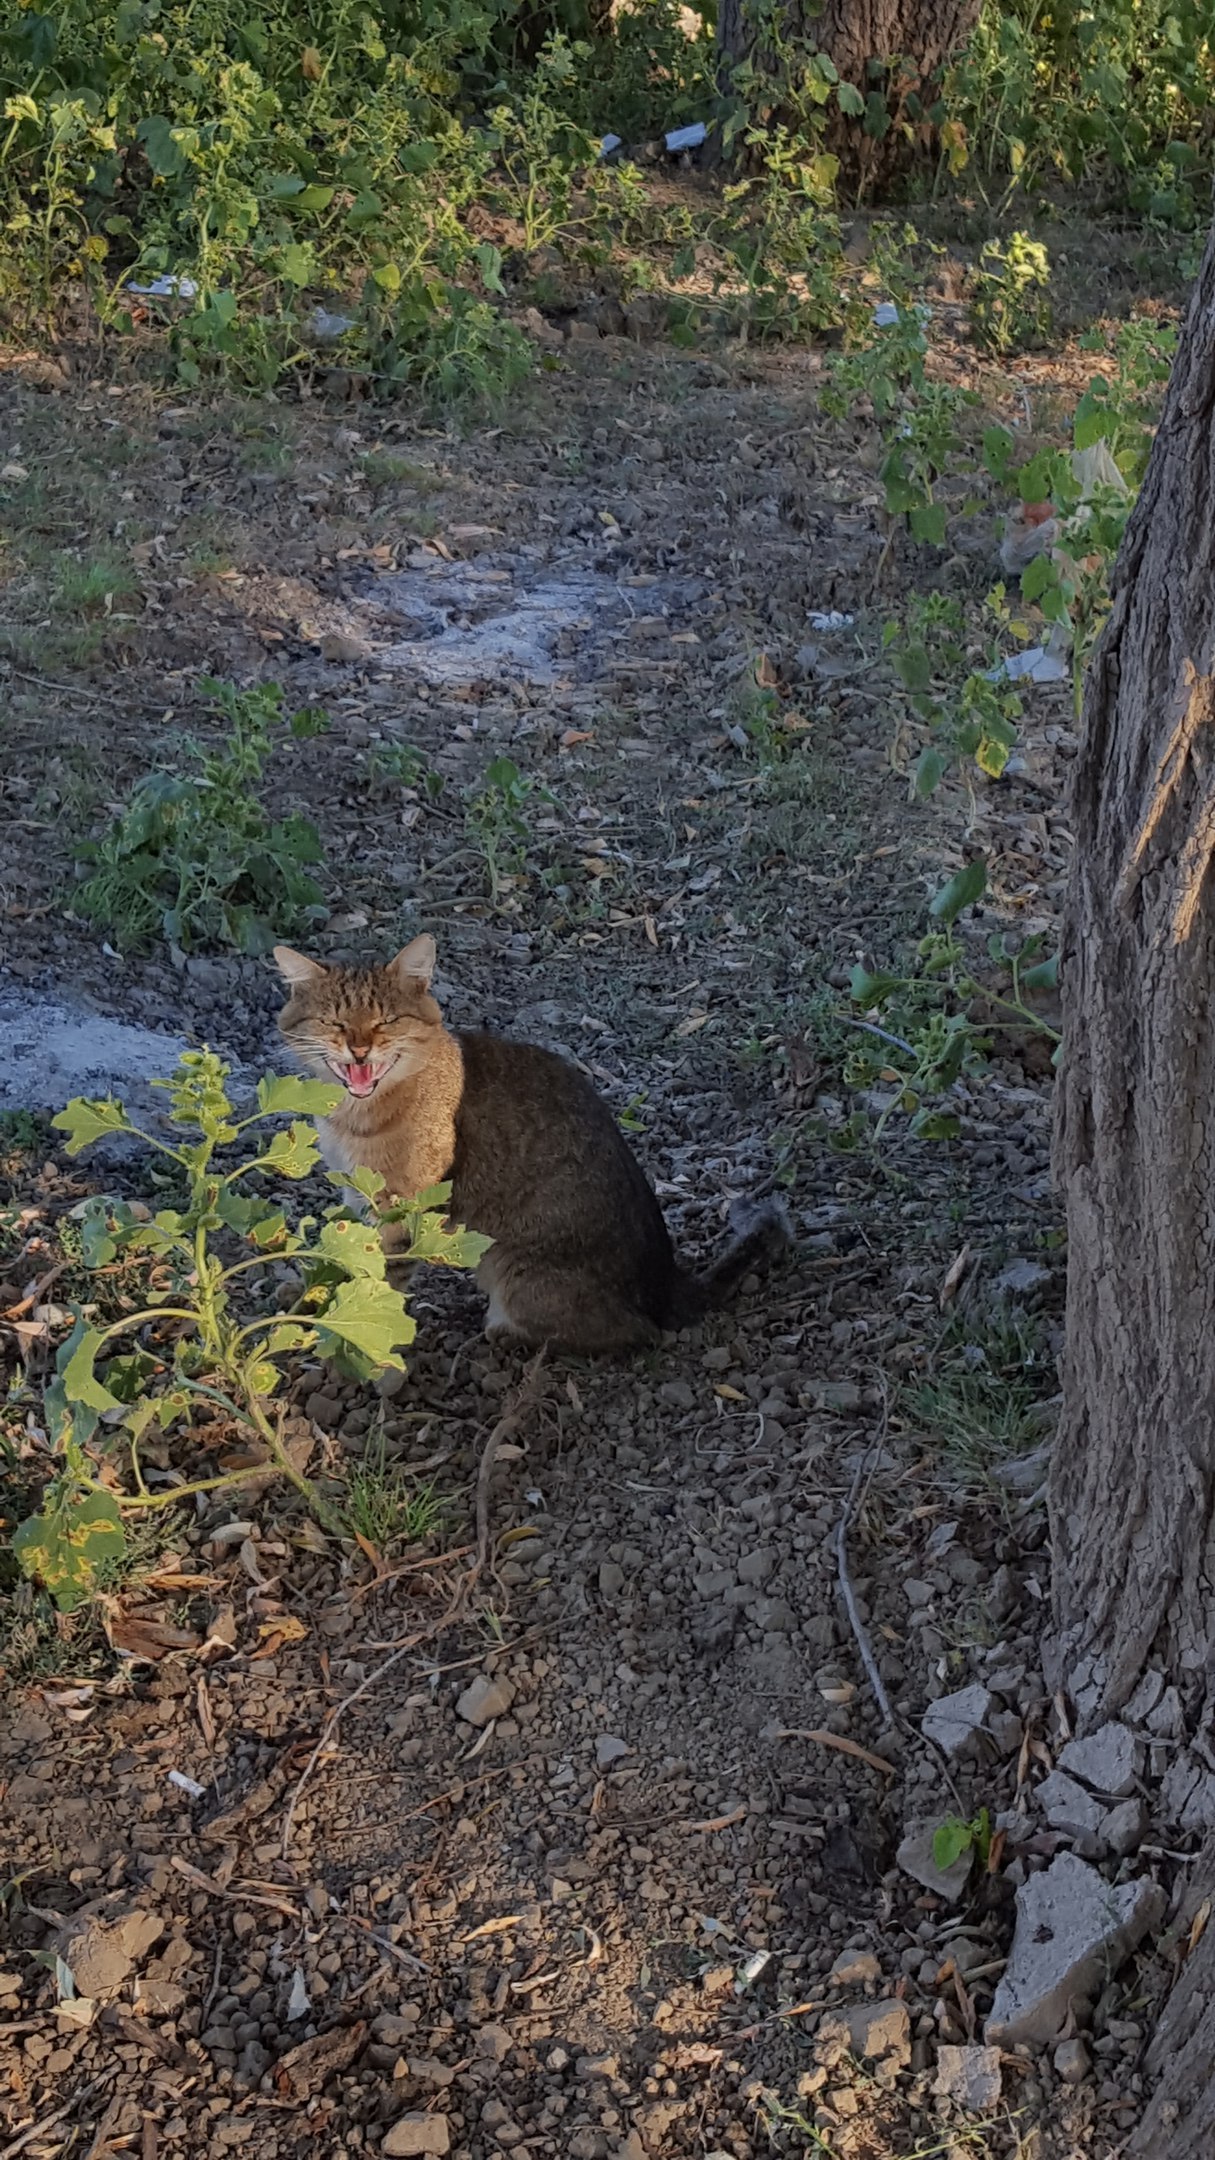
x=611 y=1914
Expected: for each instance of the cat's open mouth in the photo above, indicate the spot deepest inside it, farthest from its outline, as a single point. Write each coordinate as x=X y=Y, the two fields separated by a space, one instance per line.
x=360 y=1080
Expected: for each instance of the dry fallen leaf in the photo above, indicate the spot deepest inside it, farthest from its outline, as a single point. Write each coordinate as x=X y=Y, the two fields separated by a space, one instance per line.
x=146 y=1636
x=304 y=2069
x=953 y=1275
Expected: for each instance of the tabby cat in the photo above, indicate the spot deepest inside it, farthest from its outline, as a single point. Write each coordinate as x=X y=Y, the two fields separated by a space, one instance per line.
x=581 y=1256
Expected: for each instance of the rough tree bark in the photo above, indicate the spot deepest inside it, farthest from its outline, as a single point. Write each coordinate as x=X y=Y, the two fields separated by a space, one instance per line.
x=921 y=34
x=1133 y=1477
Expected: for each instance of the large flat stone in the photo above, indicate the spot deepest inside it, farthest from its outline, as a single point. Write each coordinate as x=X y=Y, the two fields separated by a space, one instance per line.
x=1073 y=1930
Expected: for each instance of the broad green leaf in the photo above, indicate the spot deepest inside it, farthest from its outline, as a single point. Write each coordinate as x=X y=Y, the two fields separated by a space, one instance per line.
x=928 y=523
x=1033 y=482
x=354 y=1246
x=489 y=259
x=1038 y=577
x=367 y=1183
x=163 y=146
x=371 y=1317
x=1045 y=976
x=929 y=770
x=997 y=452
x=293 y=1153
x=935 y=1125
x=87 y=1119
x=312 y=198
x=458 y=1247
x=965 y=887
x=992 y=755
x=75 y=1367
x=867 y=989
x=288 y=1335
x=283 y=1095
x=295 y=262
x=65 y=1547
x=263 y=1377
x=850 y=101
x=949 y=1841
x=913 y=667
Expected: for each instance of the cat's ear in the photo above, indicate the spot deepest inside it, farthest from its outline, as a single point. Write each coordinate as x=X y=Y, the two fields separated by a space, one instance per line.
x=295 y=968
x=416 y=962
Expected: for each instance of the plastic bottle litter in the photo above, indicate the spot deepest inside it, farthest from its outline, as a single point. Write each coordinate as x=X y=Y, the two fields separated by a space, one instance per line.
x=832 y=621
x=166 y=288
x=686 y=138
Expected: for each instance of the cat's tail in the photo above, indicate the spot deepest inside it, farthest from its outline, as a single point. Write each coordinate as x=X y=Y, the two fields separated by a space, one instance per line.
x=761 y=1233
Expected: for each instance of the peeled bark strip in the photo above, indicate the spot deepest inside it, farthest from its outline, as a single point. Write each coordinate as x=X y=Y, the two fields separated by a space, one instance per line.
x=1133 y=1481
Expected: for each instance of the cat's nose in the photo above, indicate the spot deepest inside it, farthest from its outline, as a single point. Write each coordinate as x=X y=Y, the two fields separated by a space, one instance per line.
x=360 y=1055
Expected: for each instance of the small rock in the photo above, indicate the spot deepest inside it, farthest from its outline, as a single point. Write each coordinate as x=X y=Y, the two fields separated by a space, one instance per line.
x=1003 y=1593
x=855 y=1968
x=611 y=1579
x=755 y=1567
x=955 y=1723
x=1020 y=1277
x=608 y=1749
x=1071 y=2061
x=970 y=2076
x=483 y=1700
x=677 y=1395
x=417 y=2134
x=1006 y=1730
x=1068 y=1807
x=493 y=2043
x=1073 y=1930
x=631 y=2148
x=1125 y=1827
x=878 y=2032
x=102 y=1944
x=1110 y=1760
x=915 y=1858
x=842 y=1396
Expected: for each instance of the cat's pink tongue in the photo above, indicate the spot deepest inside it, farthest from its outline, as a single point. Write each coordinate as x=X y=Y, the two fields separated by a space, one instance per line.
x=360 y=1079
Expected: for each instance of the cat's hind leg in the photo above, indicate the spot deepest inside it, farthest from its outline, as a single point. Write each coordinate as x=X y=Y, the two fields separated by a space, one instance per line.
x=536 y=1302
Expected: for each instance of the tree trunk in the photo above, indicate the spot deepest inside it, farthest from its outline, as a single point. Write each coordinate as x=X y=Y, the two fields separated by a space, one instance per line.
x=908 y=41
x=1133 y=1482
x=1180 y=2118
x=1133 y=1475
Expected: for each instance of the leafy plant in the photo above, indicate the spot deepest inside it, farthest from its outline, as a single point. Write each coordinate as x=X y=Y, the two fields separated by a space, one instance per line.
x=917 y=417
x=1009 y=308
x=954 y=1839
x=195 y=857
x=497 y=819
x=1092 y=488
x=404 y=765
x=970 y=712
x=203 y=1362
x=925 y=1017
x=385 y=1508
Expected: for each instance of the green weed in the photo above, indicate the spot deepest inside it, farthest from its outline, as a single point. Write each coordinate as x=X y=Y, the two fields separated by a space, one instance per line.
x=111 y=1413
x=982 y=1403
x=497 y=818
x=1009 y=307
x=94 y=587
x=386 y=1507
x=195 y=857
x=922 y=1022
